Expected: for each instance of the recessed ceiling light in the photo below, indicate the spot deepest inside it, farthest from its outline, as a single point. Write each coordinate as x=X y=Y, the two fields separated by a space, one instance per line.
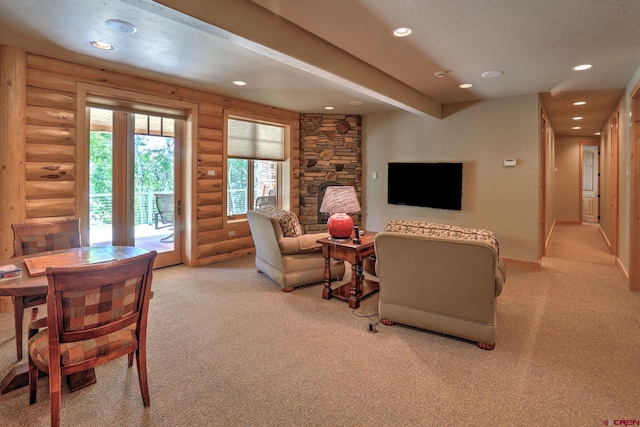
x=597 y=133
x=576 y=127
x=101 y=45
x=582 y=67
x=239 y=83
x=465 y=85
x=121 y=26
x=579 y=102
x=578 y=118
x=328 y=108
x=355 y=102
x=402 y=31
x=490 y=74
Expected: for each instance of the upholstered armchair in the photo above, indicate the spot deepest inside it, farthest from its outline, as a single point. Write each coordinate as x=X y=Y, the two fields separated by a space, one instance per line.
x=285 y=253
x=439 y=277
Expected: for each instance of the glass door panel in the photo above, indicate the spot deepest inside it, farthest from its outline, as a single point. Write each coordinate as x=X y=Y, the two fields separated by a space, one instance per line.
x=134 y=180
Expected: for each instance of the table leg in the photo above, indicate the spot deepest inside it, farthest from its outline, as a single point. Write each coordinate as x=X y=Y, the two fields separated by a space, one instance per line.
x=18 y=377
x=326 y=291
x=356 y=285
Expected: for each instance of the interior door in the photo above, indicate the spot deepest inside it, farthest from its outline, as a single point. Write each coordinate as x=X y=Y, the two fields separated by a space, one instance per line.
x=134 y=189
x=589 y=183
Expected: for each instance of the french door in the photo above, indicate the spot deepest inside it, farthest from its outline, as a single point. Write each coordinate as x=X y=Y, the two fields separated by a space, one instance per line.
x=134 y=182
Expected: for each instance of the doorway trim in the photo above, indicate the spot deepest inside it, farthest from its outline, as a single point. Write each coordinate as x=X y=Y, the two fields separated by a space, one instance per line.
x=187 y=111
x=580 y=174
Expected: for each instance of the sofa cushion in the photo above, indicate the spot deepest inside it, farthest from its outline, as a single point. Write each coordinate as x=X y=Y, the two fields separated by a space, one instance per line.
x=288 y=220
x=443 y=230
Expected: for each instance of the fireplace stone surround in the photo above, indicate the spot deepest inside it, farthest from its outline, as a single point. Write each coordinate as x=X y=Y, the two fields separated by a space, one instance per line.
x=330 y=154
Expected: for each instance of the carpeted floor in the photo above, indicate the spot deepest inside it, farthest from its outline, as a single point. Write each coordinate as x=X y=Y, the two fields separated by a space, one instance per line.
x=228 y=348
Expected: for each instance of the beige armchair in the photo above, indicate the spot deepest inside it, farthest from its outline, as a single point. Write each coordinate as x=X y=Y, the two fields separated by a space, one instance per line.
x=284 y=253
x=440 y=278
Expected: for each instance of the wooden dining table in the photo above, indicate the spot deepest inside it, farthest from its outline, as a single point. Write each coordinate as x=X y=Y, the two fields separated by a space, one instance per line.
x=34 y=282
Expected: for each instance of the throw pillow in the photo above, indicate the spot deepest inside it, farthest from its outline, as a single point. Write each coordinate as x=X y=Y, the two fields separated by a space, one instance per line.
x=288 y=220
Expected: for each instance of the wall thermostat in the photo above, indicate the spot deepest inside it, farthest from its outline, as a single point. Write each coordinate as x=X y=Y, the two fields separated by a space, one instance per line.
x=510 y=163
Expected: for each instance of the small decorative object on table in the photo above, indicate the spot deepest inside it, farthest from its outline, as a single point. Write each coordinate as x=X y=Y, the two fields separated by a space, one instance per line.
x=339 y=201
x=9 y=271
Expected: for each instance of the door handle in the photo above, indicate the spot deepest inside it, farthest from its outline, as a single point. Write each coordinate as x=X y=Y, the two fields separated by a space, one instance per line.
x=179 y=207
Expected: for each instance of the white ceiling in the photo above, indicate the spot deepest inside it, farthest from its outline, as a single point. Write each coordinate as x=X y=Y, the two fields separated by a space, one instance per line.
x=303 y=55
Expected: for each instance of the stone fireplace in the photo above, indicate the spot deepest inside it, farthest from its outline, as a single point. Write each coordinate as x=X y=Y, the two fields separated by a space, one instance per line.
x=330 y=154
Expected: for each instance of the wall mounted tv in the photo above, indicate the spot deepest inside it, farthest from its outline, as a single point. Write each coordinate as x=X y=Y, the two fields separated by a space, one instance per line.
x=431 y=185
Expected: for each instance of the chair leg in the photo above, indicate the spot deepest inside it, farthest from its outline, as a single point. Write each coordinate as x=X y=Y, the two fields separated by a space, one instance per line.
x=55 y=384
x=141 y=363
x=18 y=313
x=130 y=356
x=33 y=381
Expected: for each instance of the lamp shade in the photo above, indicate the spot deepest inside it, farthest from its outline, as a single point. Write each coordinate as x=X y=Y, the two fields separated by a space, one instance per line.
x=338 y=201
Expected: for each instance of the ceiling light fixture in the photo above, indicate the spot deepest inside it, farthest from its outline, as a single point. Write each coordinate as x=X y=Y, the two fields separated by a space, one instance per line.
x=465 y=85
x=101 y=45
x=121 y=26
x=578 y=118
x=328 y=108
x=576 y=127
x=355 y=102
x=491 y=74
x=402 y=31
x=579 y=102
x=582 y=67
x=597 y=134
x=239 y=83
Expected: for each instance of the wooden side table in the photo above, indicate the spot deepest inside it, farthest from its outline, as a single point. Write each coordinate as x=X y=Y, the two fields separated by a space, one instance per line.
x=359 y=287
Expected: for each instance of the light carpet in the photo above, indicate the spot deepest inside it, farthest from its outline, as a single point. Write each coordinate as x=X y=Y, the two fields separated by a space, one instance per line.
x=228 y=348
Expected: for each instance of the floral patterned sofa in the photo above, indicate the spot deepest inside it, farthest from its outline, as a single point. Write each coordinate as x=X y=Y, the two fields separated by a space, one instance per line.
x=441 y=278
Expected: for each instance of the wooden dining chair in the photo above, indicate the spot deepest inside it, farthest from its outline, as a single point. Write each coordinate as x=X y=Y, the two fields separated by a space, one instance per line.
x=33 y=238
x=95 y=314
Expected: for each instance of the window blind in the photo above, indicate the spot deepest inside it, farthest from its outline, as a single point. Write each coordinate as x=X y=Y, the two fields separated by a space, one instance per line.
x=253 y=140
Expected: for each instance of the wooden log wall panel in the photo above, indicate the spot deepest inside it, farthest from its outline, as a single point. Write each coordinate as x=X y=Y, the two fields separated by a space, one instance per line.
x=210 y=134
x=47 y=98
x=50 y=80
x=209 y=199
x=225 y=257
x=203 y=173
x=225 y=246
x=209 y=147
x=211 y=109
x=46 y=171
x=117 y=80
x=209 y=224
x=48 y=116
x=209 y=185
x=210 y=122
x=51 y=153
x=209 y=160
x=242 y=230
x=49 y=190
x=51 y=145
x=50 y=208
x=209 y=211
x=48 y=134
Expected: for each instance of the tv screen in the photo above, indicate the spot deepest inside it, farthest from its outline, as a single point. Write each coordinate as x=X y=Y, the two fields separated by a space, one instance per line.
x=431 y=185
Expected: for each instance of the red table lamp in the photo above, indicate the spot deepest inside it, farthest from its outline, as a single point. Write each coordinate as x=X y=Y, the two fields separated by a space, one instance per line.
x=338 y=201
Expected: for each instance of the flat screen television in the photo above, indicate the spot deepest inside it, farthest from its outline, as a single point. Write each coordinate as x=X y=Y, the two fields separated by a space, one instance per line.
x=431 y=185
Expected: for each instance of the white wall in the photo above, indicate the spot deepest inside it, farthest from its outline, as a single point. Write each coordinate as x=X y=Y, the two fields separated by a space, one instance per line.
x=481 y=135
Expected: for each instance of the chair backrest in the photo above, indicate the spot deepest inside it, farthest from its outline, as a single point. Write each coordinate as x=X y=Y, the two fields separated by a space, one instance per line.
x=45 y=236
x=164 y=205
x=91 y=301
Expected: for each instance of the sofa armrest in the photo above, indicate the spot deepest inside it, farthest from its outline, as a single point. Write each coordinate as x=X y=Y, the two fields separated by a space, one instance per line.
x=307 y=243
x=501 y=276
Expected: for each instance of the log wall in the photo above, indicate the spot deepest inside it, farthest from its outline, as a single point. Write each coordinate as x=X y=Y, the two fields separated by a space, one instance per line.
x=51 y=151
